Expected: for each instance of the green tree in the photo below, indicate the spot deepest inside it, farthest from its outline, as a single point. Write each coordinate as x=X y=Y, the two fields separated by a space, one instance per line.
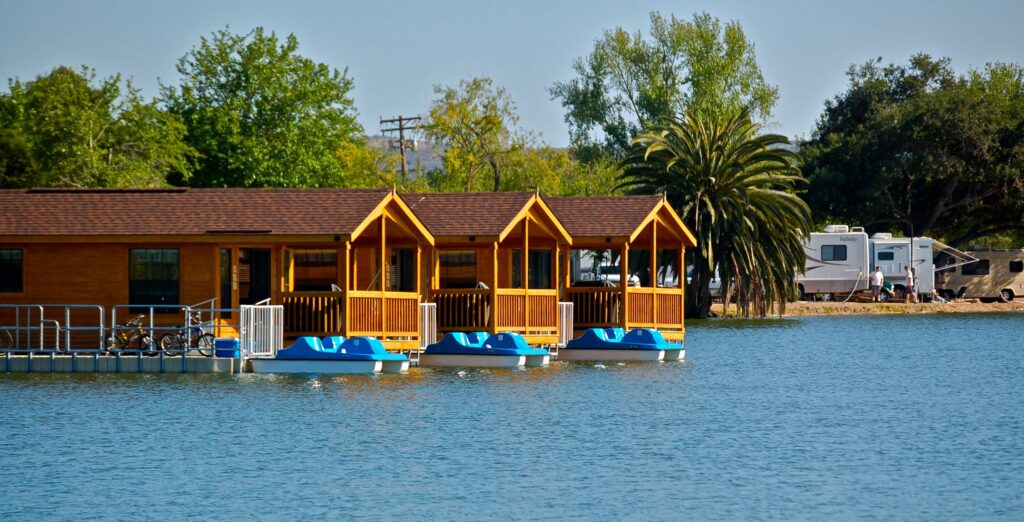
x=917 y=147
x=261 y=114
x=734 y=188
x=629 y=82
x=476 y=125
x=66 y=129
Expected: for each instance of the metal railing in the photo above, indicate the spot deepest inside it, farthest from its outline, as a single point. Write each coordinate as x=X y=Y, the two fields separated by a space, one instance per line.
x=20 y=324
x=565 y=325
x=428 y=324
x=262 y=331
x=145 y=337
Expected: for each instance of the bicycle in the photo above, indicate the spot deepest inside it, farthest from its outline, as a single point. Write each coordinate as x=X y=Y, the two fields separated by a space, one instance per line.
x=187 y=338
x=131 y=332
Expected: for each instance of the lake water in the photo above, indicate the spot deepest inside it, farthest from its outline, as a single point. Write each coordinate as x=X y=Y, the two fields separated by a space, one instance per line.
x=918 y=417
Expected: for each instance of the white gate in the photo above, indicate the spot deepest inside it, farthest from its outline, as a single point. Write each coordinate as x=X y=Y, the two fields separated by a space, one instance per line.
x=262 y=330
x=428 y=324
x=564 y=323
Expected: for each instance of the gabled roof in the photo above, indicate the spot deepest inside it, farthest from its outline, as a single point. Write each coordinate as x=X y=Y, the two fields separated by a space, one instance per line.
x=486 y=214
x=467 y=213
x=187 y=211
x=592 y=217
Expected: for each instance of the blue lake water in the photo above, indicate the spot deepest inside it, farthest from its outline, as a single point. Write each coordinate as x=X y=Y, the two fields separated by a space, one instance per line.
x=918 y=417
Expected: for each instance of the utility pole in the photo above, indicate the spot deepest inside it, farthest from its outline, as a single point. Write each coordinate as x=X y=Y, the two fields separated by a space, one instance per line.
x=400 y=125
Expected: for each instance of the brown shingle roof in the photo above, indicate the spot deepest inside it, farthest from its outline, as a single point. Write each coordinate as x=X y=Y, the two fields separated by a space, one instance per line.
x=467 y=213
x=593 y=216
x=42 y=212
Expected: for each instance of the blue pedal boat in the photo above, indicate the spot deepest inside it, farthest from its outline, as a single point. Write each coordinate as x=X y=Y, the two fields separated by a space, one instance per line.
x=333 y=355
x=480 y=350
x=615 y=344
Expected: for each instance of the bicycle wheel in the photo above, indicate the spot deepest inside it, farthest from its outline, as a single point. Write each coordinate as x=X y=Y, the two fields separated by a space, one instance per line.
x=205 y=345
x=171 y=344
x=146 y=345
x=6 y=340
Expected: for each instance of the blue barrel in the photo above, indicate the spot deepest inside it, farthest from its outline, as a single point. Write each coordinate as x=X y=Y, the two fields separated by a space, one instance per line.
x=226 y=347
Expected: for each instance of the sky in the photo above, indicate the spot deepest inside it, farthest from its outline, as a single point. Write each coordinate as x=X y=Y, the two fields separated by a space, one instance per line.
x=397 y=51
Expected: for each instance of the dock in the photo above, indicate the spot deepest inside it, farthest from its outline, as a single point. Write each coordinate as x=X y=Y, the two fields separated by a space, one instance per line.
x=95 y=363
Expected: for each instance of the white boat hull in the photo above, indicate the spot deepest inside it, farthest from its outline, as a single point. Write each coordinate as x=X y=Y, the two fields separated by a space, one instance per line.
x=395 y=366
x=603 y=354
x=433 y=360
x=675 y=355
x=299 y=366
x=537 y=361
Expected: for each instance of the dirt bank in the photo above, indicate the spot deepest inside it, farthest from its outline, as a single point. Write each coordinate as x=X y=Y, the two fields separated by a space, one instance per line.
x=802 y=308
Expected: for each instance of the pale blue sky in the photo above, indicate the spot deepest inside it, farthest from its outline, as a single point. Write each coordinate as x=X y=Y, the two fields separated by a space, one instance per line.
x=397 y=50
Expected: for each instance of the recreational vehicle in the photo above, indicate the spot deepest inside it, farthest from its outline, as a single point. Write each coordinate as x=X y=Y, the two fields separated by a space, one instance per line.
x=840 y=260
x=997 y=275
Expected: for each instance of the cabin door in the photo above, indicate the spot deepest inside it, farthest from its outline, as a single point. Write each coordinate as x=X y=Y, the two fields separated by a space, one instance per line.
x=253 y=275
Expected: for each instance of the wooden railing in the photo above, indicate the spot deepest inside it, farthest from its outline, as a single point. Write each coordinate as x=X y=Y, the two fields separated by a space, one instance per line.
x=400 y=315
x=512 y=310
x=595 y=307
x=463 y=309
x=313 y=313
x=323 y=313
x=602 y=307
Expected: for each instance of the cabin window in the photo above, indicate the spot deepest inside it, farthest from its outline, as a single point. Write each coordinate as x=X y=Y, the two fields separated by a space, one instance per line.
x=540 y=269
x=458 y=268
x=833 y=252
x=403 y=270
x=153 y=278
x=886 y=256
x=975 y=268
x=11 y=270
x=1017 y=266
x=314 y=270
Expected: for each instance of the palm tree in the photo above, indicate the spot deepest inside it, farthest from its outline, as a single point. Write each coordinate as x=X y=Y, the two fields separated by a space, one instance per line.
x=734 y=187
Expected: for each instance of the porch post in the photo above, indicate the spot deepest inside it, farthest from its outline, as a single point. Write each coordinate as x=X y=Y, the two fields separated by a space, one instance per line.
x=344 y=277
x=624 y=283
x=492 y=322
x=419 y=285
x=526 y=275
x=654 y=271
x=567 y=269
x=681 y=274
x=383 y=278
x=554 y=270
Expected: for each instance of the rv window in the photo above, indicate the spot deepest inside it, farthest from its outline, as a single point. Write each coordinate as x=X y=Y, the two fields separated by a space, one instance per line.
x=11 y=270
x=833 y=252
x=886 y=256
x=153 y=278
x=979 y=267
x=1017 y=266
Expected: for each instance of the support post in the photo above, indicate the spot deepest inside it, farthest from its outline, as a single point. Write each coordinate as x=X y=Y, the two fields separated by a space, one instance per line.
x=346 y=285
x=654 y=273
x=383 y=277
x=492 y=323
x=681 y=274
x=624 y=283
x=526 y=275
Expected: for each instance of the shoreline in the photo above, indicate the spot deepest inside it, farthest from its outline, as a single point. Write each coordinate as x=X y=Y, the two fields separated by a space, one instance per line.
x=819 y=308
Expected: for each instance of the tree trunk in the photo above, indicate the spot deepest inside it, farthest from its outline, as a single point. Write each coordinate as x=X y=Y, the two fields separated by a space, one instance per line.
x=698 y=293
x=497 y=176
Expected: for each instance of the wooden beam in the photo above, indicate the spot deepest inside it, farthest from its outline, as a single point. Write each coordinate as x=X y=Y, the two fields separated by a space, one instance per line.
x=654 y=271
x=345 y=278
x=681 y=275
x=492 y=323
x=624 y=283
x=567 y=268
x=526 y=275
x=383 y=276
x=554 y=269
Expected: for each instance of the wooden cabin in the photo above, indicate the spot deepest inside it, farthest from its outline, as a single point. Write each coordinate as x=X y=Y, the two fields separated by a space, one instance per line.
x=494 y=262
x=612 y=278
x=346 y=262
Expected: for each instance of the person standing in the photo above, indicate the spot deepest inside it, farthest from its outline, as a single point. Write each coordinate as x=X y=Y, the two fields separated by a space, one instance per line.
x=911 y=287
x=876 y=284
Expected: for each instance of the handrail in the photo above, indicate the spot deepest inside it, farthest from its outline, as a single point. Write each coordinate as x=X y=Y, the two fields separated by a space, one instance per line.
x=24 y=322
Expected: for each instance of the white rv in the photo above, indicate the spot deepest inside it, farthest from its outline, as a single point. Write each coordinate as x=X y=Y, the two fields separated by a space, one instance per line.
x=840 y=260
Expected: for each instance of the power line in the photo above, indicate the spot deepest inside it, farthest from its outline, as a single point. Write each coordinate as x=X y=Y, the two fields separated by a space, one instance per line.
x=400 y=125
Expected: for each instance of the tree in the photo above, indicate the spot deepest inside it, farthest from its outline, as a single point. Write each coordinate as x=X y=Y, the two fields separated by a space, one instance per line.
x=918 y=148
x=629 y=82
x=260 y=114
x=734 y=188
x=476 y=126
x=65 y=129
